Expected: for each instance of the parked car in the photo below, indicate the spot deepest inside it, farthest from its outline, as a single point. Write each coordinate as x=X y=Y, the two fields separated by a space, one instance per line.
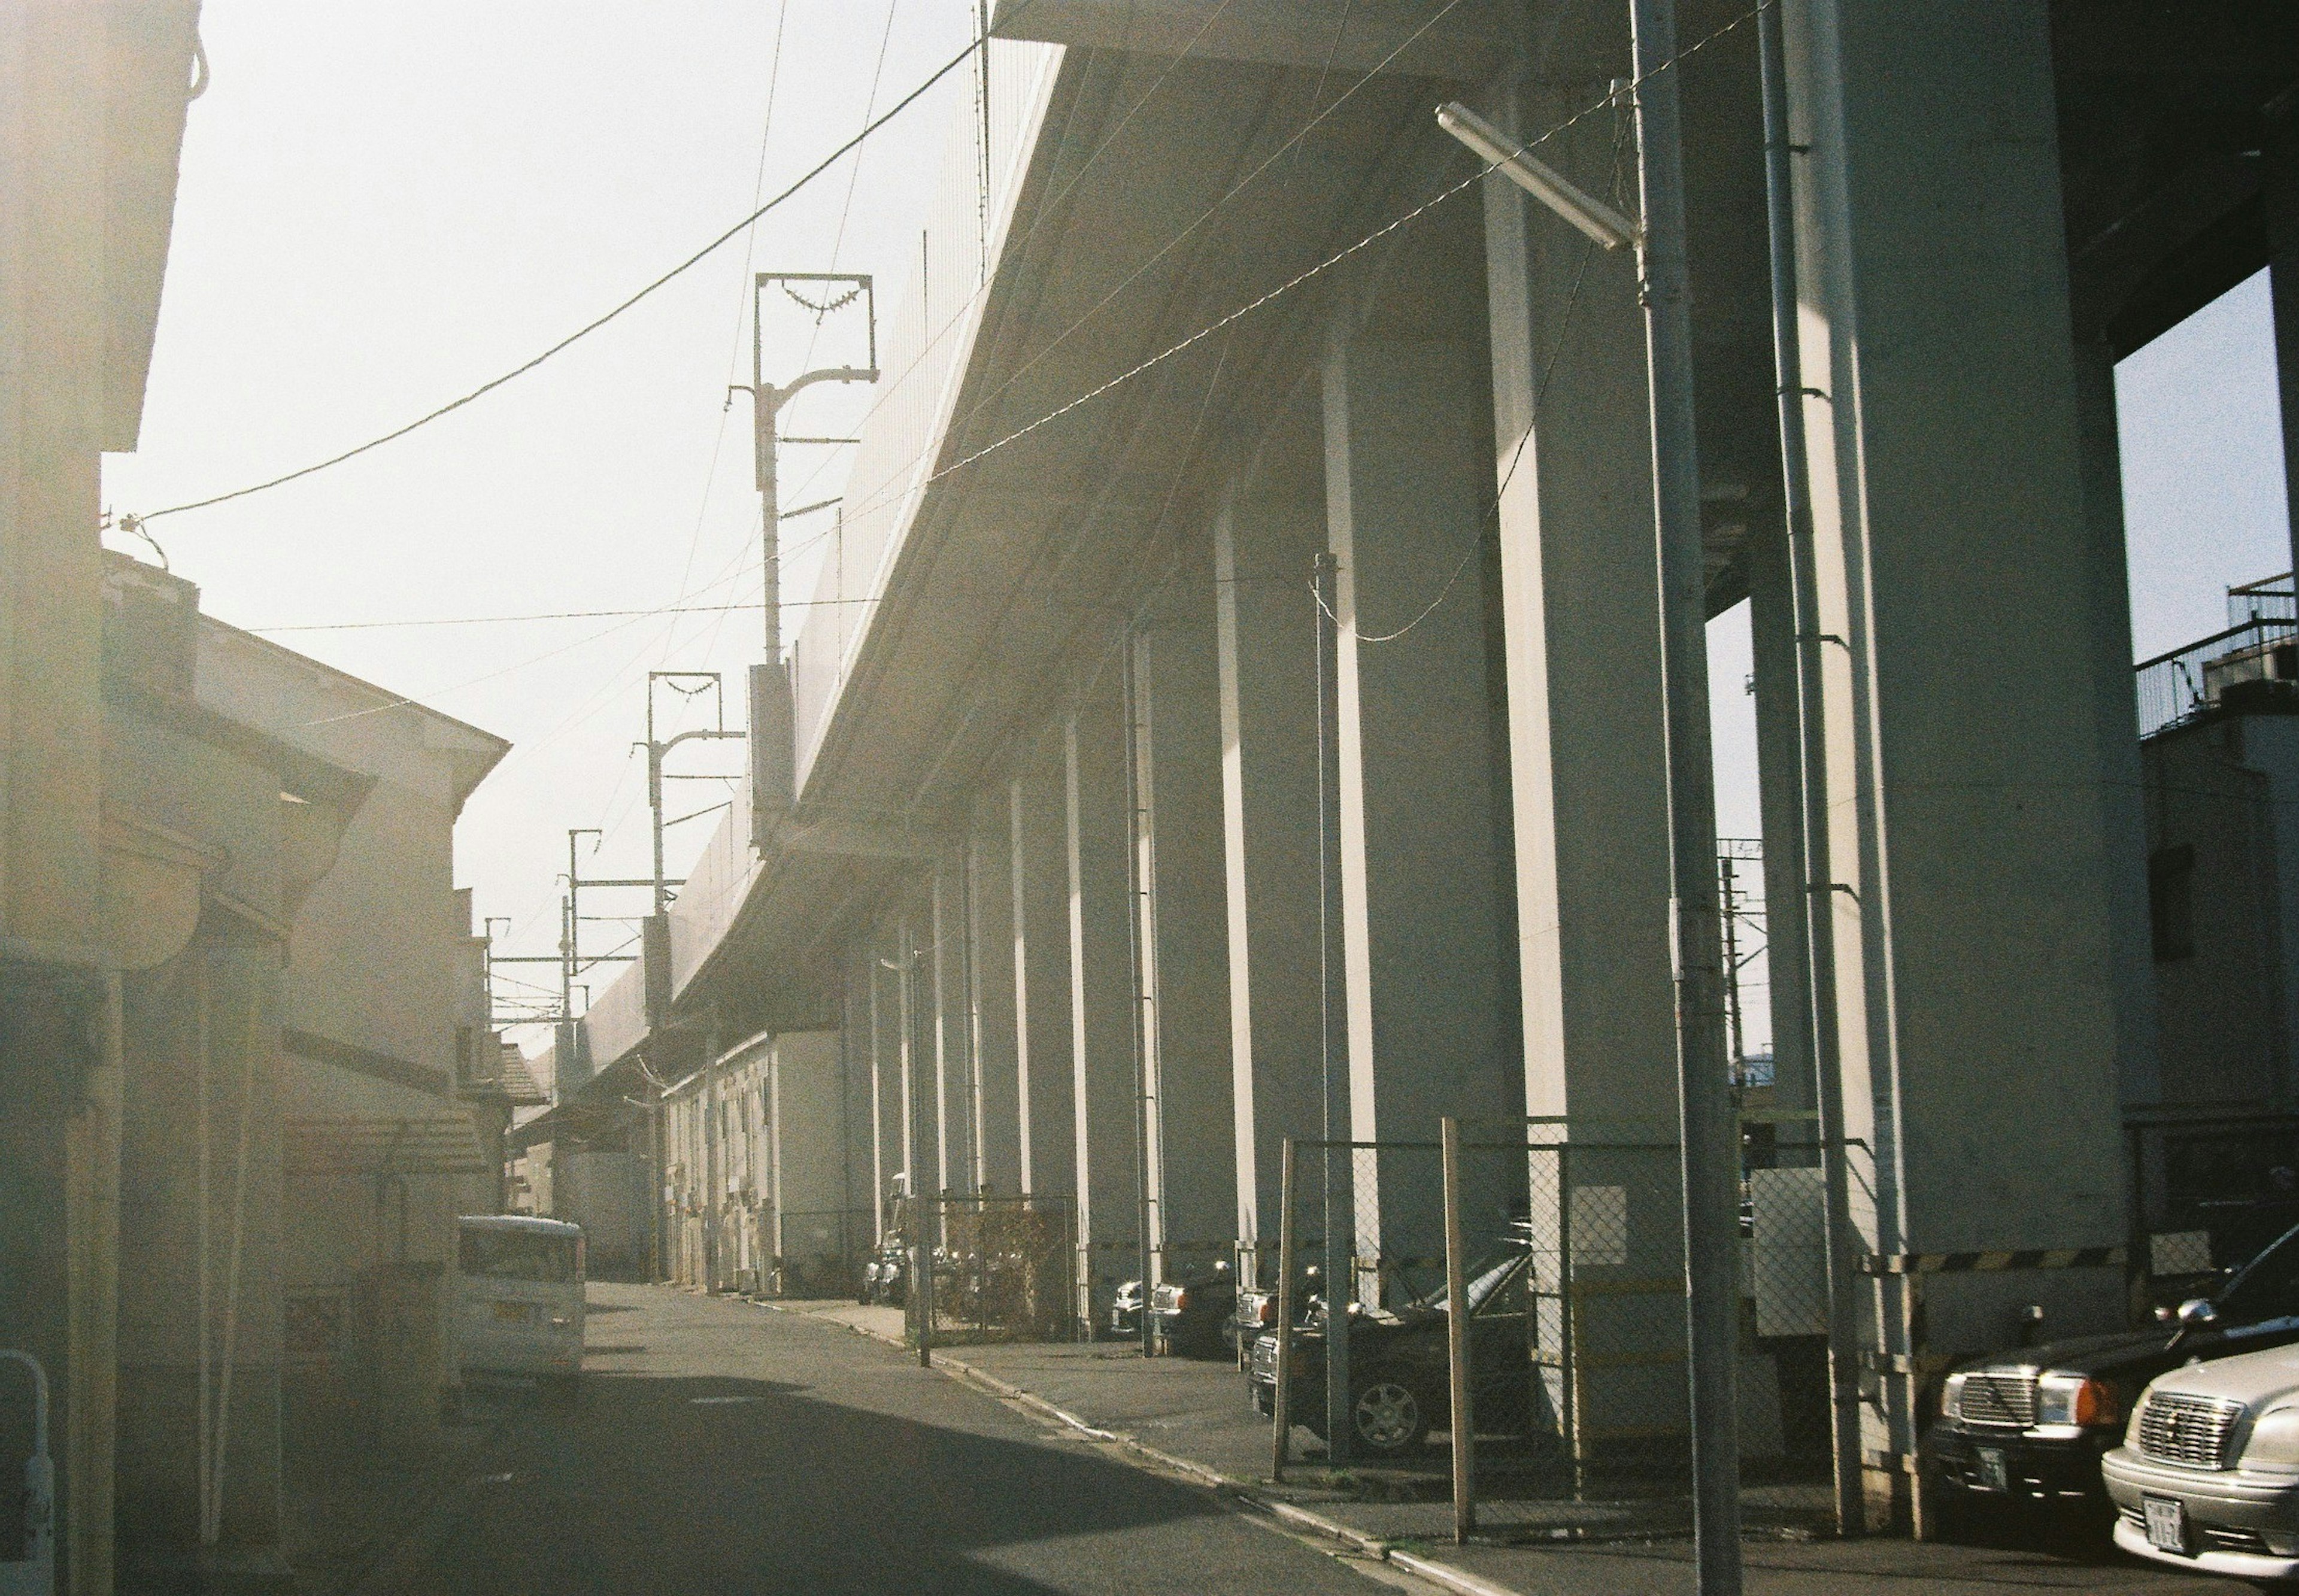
x=522 y=1298
x=2029 y=1426
x=1194 y=1315
x=1125 y=1311
x=1400 y=1384
x=886 y=1274
x=2208 y=1474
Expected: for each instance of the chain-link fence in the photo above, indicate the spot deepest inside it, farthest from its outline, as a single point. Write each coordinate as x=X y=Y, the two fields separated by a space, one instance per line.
x=1570 y=1357
x=988 y=1268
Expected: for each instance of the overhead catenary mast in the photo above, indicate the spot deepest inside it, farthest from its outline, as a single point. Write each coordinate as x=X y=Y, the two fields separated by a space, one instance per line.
x=772 y=722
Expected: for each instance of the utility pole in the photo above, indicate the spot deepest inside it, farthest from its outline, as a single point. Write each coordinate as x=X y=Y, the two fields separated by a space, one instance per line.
x=773 y=749
x=1709 y=1139
x=1340 y=1204
x=1810 y=839
x=655 y=945
x=1139 y=926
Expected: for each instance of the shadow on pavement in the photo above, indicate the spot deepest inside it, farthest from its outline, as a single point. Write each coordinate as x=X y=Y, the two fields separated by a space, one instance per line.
x=708 y=1483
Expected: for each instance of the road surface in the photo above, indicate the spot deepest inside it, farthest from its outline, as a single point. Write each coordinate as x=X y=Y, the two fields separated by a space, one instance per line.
x=722 y=1447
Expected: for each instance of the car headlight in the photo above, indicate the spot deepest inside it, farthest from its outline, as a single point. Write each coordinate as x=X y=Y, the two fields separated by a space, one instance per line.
x=2073 y=1400
x=1951 y=1399
x=2274 y=1444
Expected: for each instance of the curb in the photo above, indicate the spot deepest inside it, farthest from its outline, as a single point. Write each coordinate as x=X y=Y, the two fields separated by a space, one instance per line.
x=1243 y=1495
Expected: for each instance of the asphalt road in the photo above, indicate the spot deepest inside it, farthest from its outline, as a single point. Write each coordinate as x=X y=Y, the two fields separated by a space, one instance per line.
x=720 y=1447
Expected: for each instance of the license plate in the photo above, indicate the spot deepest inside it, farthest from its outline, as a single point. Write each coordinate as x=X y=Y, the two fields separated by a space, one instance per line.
x=2166 y=1524
x=1993 y=1474
x=511 y=1313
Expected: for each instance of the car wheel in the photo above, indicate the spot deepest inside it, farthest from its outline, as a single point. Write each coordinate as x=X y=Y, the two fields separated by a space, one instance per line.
x=1388 y=1416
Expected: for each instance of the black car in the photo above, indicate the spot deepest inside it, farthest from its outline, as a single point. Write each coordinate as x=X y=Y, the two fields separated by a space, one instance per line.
x=1193 y=1315
x=1400 y=1382
x=2029 y=1426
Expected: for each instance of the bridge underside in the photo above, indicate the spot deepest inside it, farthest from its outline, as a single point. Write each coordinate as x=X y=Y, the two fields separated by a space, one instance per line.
x=1056 y=851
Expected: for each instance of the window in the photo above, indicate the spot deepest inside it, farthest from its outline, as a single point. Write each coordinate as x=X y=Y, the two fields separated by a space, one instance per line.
x=2172 y=903
x=507 y=1254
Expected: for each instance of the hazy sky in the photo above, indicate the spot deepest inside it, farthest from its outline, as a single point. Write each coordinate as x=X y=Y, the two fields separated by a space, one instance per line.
x=381 y=207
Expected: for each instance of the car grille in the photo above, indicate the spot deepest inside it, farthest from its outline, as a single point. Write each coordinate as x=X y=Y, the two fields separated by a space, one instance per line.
x=2008 y=1400
x=2190 y=1431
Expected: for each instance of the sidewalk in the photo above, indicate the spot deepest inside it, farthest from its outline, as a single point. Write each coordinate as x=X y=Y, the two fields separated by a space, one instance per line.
x=1197 y=1416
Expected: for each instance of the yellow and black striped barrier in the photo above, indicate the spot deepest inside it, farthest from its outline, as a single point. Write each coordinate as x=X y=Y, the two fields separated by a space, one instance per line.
x=1963 y=1263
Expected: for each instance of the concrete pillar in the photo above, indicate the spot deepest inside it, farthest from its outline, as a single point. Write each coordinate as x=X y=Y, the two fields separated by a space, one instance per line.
x=1972 y=837
x=1184 y=914
x=884 y=1112
x=1037 y=819
x=2278 y=194
x=1771 y=630
x=1579 y=594
x=2108 y=589
x=1424 y=795
x=1102 y=988
x=990 y=956
x=944 y=971
x=1266 y=533
x=1588 y=784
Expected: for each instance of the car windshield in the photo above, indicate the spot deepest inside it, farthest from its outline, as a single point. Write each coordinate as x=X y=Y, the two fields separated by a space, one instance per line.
x=503 y=1254
x=2267 y=1287
x=1483 y=1277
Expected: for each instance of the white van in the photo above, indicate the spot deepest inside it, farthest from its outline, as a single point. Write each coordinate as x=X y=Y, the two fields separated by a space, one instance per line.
x=521 y=1298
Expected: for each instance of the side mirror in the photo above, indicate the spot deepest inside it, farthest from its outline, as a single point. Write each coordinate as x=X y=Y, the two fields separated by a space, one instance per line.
x=2197 y=1313
x=2031 y=1321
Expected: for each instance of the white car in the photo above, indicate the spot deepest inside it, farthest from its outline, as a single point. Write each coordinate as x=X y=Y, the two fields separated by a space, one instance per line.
x=522 y=1298
x=2208 y=1474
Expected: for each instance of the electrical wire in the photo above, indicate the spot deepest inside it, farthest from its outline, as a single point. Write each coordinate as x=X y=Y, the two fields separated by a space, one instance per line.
x=897 y=487
x=589 y=328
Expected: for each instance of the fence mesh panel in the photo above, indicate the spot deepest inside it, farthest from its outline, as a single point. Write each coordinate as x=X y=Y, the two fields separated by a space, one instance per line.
x=1002 y=1268
x=1573 y=1274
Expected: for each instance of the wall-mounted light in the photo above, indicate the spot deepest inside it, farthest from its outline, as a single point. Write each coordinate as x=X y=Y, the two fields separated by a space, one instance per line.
x=1551 y=188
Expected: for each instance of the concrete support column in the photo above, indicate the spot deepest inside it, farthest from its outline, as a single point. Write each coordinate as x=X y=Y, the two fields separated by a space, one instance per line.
x=1183 y=916
x=944 y=955
x=1037 y=821
x=993 y=1042
x=1579 y=580
x=2116 y=704
x=1266 y=533
x=1973 y=839
x=1588 y=781
x=1772 y=629
x=1102 y=988
x=1424 y=795
x=2278 y=196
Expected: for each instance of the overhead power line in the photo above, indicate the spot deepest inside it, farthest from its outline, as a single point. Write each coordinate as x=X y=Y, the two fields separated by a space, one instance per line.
x=486 y=620
x=589 y=328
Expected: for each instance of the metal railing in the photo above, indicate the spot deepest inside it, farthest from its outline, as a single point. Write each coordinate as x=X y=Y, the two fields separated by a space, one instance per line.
x=2256 y=659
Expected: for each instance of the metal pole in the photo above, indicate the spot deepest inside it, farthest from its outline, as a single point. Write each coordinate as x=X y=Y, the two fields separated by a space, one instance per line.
x=1710 y=1159
x=1736 y=1047
x=1818 y=1022
x=1341 y=1219
x=1136 y=937
x=1281 y=1433
x=1457 y=1342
